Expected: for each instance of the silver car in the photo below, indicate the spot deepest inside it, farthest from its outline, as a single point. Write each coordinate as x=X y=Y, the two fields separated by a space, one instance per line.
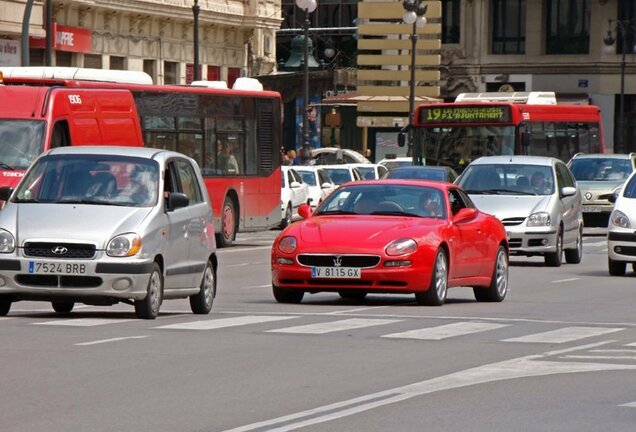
x=537 y=200
x=102 y=225
x=599 y=177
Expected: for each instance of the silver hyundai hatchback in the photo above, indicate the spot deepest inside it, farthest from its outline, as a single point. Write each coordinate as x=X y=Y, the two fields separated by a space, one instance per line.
x=101 y=225
x=536 y=198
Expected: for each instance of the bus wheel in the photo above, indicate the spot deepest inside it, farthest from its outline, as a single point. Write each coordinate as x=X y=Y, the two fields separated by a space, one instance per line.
x=228 y=224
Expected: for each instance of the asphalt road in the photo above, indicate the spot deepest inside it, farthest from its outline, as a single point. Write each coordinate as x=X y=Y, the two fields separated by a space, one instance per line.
x=558 y=354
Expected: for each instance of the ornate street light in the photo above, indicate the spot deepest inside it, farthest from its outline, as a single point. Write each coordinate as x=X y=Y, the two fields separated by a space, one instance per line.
x=195 y=12
x=622 y=27
x=308 y=6
x=414 y=11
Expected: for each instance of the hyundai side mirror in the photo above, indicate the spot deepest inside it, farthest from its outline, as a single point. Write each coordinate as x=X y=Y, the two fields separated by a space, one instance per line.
x=177 y=200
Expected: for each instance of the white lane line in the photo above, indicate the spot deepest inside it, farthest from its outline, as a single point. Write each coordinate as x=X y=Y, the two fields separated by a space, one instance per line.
x=563 y=335
x=446 y=331
x=360 y=309
x=597 y=243
x=599 y=357
x=225 y=322
x=629 y=351
x=334 y=326
x=83 y=322
x=242 y=249
x=259 y=286
x=629 y=405
x=521 y=367
x=96 y=342
x=631 y=344
x=566 y=280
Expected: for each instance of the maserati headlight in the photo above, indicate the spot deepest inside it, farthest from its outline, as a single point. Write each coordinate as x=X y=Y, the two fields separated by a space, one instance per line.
x=539 y=219
x=401 y=247
x=287 y=244
x=7 y=241
x=620 y=219
x=124 y=245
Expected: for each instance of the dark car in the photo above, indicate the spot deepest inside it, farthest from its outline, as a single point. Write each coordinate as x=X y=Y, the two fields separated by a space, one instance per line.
x=437 y=173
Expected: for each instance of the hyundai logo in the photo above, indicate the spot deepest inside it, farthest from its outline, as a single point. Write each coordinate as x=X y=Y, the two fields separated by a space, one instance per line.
x=59 y=250
x=337 y=261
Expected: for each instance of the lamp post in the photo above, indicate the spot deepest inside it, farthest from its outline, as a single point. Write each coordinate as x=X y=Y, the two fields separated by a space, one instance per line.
x=195 y=12
x=308 y=6
x=622 y=27
x=414 y=11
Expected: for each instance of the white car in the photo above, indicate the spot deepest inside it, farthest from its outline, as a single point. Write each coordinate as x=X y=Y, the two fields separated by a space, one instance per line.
x=371 y=171
x=318 y=181
x=621 y=237
x=395 y=162
x=293 y=192
x=343 y=173
x=335 y=155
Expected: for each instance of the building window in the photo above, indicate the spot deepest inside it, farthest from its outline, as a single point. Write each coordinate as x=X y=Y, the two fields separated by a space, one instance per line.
x=93 y=61
x=214 y=73
x=170 y=72
x=509 y=31
x=150 y=67
x=232 y=75
x=117 y=63
x=36 y=57
x=63 y=58
x=568 y=27
x=627 y=11
x=450 y=21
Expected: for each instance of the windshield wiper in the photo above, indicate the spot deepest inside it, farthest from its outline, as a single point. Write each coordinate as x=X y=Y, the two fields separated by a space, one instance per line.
x=6 y=166
x=27 y=200
x=395 y=213
x=85 y=201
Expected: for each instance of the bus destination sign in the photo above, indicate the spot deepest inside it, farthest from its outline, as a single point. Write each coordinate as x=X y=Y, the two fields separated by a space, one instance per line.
x=465 y=114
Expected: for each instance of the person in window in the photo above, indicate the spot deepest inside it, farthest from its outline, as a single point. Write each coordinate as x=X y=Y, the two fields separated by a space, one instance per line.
x=539 y=183
x=429 y=206
x=227 y=161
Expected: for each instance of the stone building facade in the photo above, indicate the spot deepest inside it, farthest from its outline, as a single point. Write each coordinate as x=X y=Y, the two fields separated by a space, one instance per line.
x=236 y=38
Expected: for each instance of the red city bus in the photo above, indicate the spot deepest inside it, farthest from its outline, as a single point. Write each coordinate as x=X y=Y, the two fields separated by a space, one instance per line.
x=487 y=124
x=234 y=135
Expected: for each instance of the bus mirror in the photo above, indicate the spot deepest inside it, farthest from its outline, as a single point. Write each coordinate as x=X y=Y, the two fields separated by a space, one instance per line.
x=401 y=139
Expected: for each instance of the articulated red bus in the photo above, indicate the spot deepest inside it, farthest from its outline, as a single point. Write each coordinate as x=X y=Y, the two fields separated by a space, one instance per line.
x=234 y=135
x=494 y=124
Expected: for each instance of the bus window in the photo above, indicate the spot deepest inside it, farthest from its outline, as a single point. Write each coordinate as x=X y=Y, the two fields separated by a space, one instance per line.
x=161 y=140
x=191 y=144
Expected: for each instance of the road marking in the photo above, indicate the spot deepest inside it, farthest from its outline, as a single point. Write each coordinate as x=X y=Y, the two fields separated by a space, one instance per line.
x=566 y=334
x=566 y=280
x=346 y=311
x=630 y=405
x=83 y=322
x=269 y=285
x=521 y=367
x=225 y=322
x=598 y=243
x=446 y=331
x=242 y=249
x=109 y=340
x=334 y=326
x=630 y=351
x=631 y=344
x=600 y=357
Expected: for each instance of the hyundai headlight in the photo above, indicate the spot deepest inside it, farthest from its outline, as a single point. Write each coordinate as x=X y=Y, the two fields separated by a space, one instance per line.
x=124 y=245
x=7 y=241
x=539 y=219
x=620 y=219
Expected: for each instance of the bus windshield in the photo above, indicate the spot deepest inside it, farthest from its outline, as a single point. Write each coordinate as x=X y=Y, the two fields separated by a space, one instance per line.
x=457 y=146
x=21 y=141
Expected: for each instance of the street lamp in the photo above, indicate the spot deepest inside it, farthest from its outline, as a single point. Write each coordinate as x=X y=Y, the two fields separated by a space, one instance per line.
x=195 y=12
x=308 y=6
x=622 y=27
x=414 y=11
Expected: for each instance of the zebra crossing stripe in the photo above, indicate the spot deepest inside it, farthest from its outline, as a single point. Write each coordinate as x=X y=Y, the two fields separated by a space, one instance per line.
x=225 y=322
x=563 y=335
x=334 y=326
x=446 y=331
x=82 y=322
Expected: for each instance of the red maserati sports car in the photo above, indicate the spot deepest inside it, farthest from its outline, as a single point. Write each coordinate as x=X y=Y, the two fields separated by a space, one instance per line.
x=392 y=236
